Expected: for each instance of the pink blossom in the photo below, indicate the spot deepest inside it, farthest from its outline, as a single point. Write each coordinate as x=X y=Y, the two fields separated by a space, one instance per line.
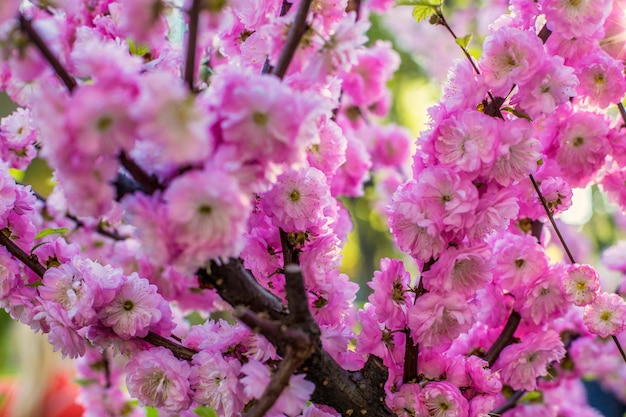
x=65 y=287
x=468 y=142
x=263 y=118
x=606 y=315
x=576 y=19
x=582 y=144
x=329 y=153
x=209 y=212
x=601 y=78
x=462 y=269
x=173 y=119
x=9 y=274
x=391 y=146
x=614 y=42
x=496 y=208
x=556 y=193
x=416 y=228
x=442 y=399
x=580 y=284
x=134 y=309
x=517 y=261
x=522 y=363
x=436 y=320
x=613 y=184
x=142 y=21
x=543 y=298
x=215 y=383
x=297 y=201
x=518 y=153
x=157 y=379
x=613 y=257
x=365 y=82
x=390 y=297
x=510 y=56
x=351 y=175
x=17 y=139
x=455 y=196
x=552 y=86
x=292 y=400
x=9 y=9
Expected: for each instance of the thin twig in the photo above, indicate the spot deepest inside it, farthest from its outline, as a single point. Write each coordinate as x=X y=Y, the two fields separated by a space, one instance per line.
x=622 y=112
x=296 y=31
x=30 y=261
x=148 y=183
x=411 y=350
x=509 y=404
x=551 y=218
x=192 y=41
x=35 y=38
x=278 y=383
x=505 y=338
x=181 y=352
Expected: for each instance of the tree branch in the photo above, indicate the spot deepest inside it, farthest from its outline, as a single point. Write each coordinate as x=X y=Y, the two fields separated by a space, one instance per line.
x=411 y=351
x=504 y=339
x=30 y=261
x=180 y=351
x=509 y=404
x=296 y=31
x=192 y=41
x=27 y=27
x=148 y=183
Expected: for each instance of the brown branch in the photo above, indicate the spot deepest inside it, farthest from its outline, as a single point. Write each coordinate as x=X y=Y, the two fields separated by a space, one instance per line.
x=509 y=404
x=238 y=287
x=544 y=33
x=622 y=112
x=354 y=6
x=505 y=338
x=192 y=41
x=411 y=351
x=30 y=261
x=278 y=383
x=296 y=31
x=27 y=27
x=181 y=352
x=148 y=183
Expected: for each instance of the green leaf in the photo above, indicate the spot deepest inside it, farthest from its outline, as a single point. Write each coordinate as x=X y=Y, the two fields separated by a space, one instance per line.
x=137 y=49
x=51 y=231
x=428 y=3
x=423 y=12
x=83 y=382
x=204 y=411
x=532 y=397
x=35 y=284
x=517 y=113
x=152 y=412
x=464 y=41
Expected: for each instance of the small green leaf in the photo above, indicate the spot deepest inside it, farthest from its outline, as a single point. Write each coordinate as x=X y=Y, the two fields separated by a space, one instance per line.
x=83 y=382
x=518 y=113
x=532 y=397
x=51 y=231
x=152 y=412
x=137 y=49
x=464 y=41
x=423 y=12
x=429 y=3
x=204 y=411
x=35 y=284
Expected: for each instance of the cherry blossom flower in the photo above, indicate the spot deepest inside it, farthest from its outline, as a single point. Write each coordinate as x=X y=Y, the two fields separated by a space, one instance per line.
x=581 y=284
x=606 y=315
x=522 y=363
x=436 y=320
x=136 y=307
x=158 y=379
x=442 y=399
x=510 y=56
x=468 y=142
